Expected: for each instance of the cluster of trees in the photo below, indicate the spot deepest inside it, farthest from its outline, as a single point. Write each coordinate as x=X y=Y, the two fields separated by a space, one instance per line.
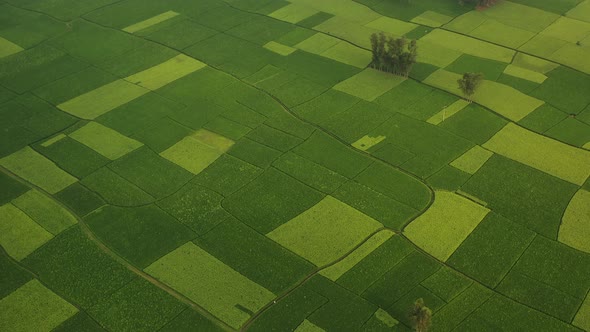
x=421 y=316
x=469 y=83
x=393 y=55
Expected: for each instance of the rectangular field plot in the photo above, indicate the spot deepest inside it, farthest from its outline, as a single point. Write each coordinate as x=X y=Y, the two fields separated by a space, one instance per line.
x=102 y=100
x=575 y=228
x=215 y=286
x=8 y=48
x=349 y=54
x=33 y=307
x=431 y=19
x=548 y=155
x=325 y=232
x=444 y=226
x=45 y=211
x=279 y=48
x=198 y=150
x=524 y=73
x=369 y=84
x=166 y=72
x=40 y=171
x=472 y=160
x=105 y=141
x=293 y=13
x=580 y=12
x=150 y=22
x=19 y=234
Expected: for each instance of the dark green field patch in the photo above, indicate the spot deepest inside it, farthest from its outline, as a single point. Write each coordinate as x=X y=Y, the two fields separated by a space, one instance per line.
x=428 y=105
x=331 y=103
x=420 y=71
x=315 y=20
x=357 y=121
x=196 y=207
x=255 y=256
x=310 y=173
x=295 y=36
x=298 y=91
x=74 y=157
x=75 y=267
x=80 y=199
x=12 y=277
x=565 y=89
x=520 y=84
x=261 y=29
x=150 y=172
x=139 y=306
x=192 y=88
x=474 y=123
x=395 y=184
x=254 y=153
x=491 y=250
x=115 y=189
x=271 y=200
x=447 y=284
x=79 y=322
x=227 y=174
x=11 y=188
x=138 y=59
x=522 y=194
x=388 y=211
x=140 y=235
x=273 y=138
x=466 y=63
x=461 y=307
x=239 y=113
x=227 y=128
x=392 y=154
x=162 y=135
x=543 y=118
x=189 y=320
x=181 y=34
x=448 y=178
x=400 y=308
x=328 y=152
x=571 y=131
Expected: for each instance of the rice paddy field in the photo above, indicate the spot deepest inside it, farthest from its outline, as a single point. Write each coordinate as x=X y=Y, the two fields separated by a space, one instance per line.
x=236 y=165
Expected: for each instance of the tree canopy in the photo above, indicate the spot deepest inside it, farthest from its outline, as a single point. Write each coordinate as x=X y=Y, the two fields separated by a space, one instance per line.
x=393 y=55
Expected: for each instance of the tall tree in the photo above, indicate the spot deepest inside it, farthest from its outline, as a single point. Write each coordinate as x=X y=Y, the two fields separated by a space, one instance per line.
x=421 y=316
x=469 y=83
x=393 y=55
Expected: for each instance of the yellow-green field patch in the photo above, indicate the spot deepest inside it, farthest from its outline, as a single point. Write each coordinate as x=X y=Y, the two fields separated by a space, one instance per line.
x=431 y=19
x=392 y=26
x=102 y=100
x=349 y=54
x=568 y=29
x=543 y=45
x=469 y=45
x=210 y=283
x=582 y=319
x=150 y=22
x=38 y=170
x=105 y=141
x=500 y=98
x=436 y=54
x=33 y=307
x=347 y=29
x=8 y=48
x=45 y=211
x=19 y=234
x=533 y=63
x=317 y=43
x=52 y=140
x=325 y=232
x=369 y=84
x=580 y=12
x=366 y=142
x=499 y=33
x=574 y=56
x=472 y=160
x=337 y=270
x=307 y=326
x=166 y=72
x=466 y=22
x=293 y=13
x=197 y=151
x=448 y=222
x=448 y=112
x=524 y=73
x=575 y=226
x=548 y=155
x=279 y=48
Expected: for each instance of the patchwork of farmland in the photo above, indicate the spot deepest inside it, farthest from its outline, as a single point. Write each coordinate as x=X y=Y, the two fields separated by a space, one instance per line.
x=233 y=165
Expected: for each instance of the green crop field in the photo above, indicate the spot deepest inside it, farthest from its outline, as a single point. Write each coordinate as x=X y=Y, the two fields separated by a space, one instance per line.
x=294 y=165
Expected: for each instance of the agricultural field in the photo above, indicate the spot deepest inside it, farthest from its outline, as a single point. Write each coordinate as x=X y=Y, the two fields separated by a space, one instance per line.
x=243 y=165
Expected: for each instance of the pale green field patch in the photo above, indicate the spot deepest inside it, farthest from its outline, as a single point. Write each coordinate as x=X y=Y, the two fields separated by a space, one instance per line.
x=33 y=307
x=436 y=54
x=105 y=141
x=45 y=211
x=574 y=56
x=369 y=84
x=349 y=30
x=543 y=45
x=568 y=29
x=325 y=232
x=472 y=160
x=38 y=170
x=318 y=43
x=386 y=318
x=19 y=234
x=337 y=270
x=293 y=13
x=533 y=63
x=210 y=283
x=197 y=151
x=469 y=45
x=53 y=140
x=548 y=155
x=499 y=33
x=366 y=142
x=150 y=22
x=524 y=73
x=580 y=12
x=8 y=48
x=446 y=224
x=102 y=100
x=349 y=54
x=166 y=72
x=431 y=19
x=582 y=319
x=448 y=112
x=466 y=22
x=520 y=16
x=279 y=48
x=575 y=227
x=307 y=326
x=390 y=25
x=500 y=98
